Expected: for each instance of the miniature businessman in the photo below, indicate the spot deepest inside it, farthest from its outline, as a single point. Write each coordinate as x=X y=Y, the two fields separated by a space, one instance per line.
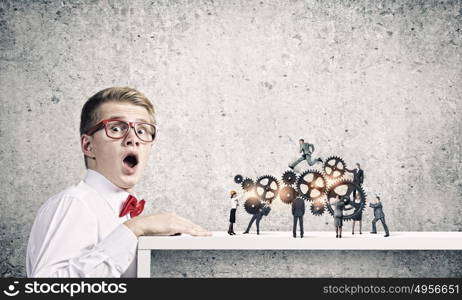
x=378 y=215
x=358 y=177
x=306 y=150
x=358 y=218
x=338 y=205
x=232 y=213
x=263 y=211
x=298 y=210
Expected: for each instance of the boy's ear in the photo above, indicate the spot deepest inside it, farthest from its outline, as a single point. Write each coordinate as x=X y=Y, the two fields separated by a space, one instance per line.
x=86 y=143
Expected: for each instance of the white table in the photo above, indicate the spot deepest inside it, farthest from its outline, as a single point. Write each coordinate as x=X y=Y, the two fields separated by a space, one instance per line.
x=320 y=240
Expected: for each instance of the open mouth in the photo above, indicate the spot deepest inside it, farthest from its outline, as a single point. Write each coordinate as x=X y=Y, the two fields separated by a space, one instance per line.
x=131 y=160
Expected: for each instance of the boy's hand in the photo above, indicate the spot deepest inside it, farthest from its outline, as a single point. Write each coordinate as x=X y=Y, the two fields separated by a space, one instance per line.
x=164 y=224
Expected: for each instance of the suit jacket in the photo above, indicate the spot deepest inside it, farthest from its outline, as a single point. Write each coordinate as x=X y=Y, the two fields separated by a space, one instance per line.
x=338 y=208
x=263 y=211
x=305 y=148
x=378 y=212
x=358 y=176
x=298 y=207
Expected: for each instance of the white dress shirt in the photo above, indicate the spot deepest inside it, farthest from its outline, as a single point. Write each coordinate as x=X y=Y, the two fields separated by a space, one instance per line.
x=235 y=202
x=78 y=233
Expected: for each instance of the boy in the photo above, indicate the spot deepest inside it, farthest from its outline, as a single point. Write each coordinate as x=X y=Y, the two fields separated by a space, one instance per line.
x=91 y=229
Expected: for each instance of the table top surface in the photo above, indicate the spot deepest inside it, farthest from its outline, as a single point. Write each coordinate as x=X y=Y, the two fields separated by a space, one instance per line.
x=319 y=240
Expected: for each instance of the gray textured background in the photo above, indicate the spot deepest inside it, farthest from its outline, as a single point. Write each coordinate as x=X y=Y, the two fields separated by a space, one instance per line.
x=236 y=83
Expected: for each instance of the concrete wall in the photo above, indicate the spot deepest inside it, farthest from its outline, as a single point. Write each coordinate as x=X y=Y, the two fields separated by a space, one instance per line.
x=236 y=83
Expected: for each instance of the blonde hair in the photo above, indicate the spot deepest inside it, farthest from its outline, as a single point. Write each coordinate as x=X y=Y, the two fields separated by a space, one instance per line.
x=90 y=111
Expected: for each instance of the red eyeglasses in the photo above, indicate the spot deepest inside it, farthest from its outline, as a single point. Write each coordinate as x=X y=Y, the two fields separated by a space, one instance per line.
x=118 y=129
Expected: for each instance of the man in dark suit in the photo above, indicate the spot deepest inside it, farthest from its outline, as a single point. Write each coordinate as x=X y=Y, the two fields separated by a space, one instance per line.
x=263 y=211
x=298 y=210
x=378 y=215
x=306 y=150
x=358 y=177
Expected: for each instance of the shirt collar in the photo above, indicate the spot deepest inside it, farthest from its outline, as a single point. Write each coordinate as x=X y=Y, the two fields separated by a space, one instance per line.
x=114 y=195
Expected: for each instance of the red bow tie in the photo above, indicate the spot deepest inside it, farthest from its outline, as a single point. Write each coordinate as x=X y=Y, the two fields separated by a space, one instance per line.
x=132 y=206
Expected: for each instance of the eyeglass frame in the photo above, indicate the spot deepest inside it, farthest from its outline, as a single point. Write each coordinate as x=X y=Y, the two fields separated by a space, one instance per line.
x=102 y=124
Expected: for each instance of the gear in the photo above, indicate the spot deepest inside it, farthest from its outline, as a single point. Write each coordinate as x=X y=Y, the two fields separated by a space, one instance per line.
x=317 y=207
x=345 y=188
x=334 y=167
x=289 y=177
x=238 y=179
x=248 y=184
x=287 y=194
x=311 y=185
x=252 y=205
x=267 y=188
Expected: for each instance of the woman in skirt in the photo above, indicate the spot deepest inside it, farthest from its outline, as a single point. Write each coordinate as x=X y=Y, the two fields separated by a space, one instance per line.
x=232 y=214
x=359 y=218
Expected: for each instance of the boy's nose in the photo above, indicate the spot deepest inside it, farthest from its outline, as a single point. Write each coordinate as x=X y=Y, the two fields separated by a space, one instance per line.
x=131 y=138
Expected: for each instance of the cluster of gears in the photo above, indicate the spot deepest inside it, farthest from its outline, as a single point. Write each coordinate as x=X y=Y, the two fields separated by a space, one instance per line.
x=318 y=187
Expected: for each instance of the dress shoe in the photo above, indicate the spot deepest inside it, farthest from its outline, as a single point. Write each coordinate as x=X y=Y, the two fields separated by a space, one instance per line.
x=373 y=232
x=336 y=236
x=353 y=233
x=245 y=232
x=386 y=235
